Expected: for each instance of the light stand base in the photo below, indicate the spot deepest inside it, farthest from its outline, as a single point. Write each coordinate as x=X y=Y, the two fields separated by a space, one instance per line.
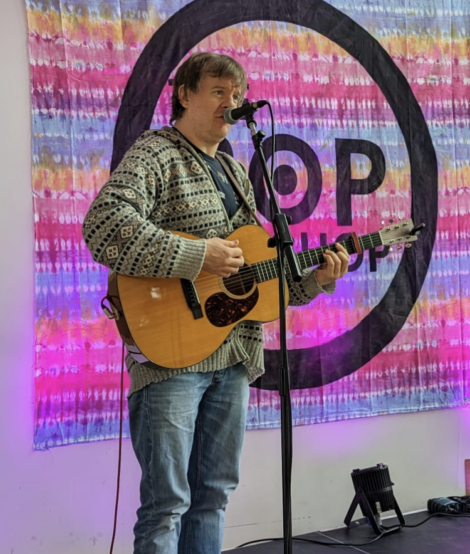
x=360 y=499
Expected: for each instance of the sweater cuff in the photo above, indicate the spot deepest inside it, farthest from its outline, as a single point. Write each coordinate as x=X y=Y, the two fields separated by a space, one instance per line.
x=312 y=286
x=190 y=258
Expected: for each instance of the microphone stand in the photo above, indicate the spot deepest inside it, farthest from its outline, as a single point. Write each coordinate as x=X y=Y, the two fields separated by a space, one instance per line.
x=283 y=241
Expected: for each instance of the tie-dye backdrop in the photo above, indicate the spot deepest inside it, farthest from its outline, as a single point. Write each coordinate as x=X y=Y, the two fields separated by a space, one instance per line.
x=353 y=85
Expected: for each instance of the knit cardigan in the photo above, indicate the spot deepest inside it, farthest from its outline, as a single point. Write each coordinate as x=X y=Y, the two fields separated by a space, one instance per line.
x=163 y=185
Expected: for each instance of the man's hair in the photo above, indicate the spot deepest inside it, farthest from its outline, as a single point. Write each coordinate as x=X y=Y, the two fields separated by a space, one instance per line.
x=191 y=73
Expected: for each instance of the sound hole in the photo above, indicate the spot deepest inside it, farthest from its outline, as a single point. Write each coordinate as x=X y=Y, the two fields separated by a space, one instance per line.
x=240 y=283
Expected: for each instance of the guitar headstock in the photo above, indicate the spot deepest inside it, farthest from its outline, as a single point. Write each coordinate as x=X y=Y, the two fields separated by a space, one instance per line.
x=400 y=232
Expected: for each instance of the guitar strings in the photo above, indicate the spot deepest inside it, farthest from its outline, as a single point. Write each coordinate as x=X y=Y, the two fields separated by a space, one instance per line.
x=247 y=274
x=244 y=276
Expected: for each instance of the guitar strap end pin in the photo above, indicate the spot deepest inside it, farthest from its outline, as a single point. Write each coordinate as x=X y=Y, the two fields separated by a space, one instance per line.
x=110 y=311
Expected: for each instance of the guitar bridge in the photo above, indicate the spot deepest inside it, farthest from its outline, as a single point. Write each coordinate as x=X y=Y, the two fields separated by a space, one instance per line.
x=192 y=298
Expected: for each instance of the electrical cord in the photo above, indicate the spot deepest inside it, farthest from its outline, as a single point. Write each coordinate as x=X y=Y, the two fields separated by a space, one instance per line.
x=434 y=515
x=314 y=541
x=386 y=532
x=121 y=401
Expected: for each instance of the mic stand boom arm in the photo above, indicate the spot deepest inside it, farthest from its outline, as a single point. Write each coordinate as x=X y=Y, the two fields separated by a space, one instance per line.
x=283 y=242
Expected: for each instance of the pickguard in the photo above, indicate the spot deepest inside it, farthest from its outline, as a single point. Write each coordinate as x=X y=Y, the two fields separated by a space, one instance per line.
x=222 y=310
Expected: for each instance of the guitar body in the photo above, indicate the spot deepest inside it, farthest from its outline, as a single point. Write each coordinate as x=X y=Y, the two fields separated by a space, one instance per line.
x=171 y=332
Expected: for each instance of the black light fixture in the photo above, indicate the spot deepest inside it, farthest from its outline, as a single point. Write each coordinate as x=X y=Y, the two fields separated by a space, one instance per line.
x=374 y=495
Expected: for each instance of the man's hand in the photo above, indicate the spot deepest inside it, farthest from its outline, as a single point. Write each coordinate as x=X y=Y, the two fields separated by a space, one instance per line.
x=223 y=257
x=335 y=266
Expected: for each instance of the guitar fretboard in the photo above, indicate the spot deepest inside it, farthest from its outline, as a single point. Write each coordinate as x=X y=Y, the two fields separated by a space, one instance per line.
x=267 y=270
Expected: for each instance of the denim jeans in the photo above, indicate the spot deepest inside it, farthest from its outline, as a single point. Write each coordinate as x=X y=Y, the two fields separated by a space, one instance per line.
x=187 y=433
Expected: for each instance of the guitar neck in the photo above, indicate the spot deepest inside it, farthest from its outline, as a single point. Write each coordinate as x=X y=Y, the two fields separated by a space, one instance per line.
x=267 y=270
x=314 y=256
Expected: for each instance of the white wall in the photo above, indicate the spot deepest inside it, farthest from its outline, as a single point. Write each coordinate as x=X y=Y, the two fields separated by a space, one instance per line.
x=62 y=501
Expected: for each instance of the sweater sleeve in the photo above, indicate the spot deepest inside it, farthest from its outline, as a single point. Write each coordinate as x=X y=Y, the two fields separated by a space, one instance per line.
x=117 y=229
x=307 y=289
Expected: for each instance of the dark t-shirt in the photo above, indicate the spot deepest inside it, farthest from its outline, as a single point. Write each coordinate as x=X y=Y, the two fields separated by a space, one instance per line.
x=227 y=194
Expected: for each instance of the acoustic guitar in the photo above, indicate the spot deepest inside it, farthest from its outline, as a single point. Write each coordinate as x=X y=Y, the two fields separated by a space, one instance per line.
x=178 y=323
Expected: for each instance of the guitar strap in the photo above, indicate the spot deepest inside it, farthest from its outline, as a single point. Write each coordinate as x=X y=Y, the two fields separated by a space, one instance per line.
x=237 y=187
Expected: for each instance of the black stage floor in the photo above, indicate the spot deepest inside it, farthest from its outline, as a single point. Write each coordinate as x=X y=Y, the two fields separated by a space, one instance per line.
x=439 y=535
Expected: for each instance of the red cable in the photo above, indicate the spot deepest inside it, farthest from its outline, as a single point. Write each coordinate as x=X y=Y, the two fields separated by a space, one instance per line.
x=120 y=452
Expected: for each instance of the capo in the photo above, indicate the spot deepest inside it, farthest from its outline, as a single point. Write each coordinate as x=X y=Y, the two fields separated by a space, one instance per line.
x=357 y=246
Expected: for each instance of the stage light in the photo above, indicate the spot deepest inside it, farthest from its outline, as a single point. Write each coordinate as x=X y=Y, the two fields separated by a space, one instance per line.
x=374 y=494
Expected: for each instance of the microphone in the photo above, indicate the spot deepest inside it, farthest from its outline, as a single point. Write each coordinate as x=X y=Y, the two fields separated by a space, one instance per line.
x=233 y=115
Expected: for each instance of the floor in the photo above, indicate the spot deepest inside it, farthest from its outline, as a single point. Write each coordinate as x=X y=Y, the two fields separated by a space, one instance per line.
x=440 y=535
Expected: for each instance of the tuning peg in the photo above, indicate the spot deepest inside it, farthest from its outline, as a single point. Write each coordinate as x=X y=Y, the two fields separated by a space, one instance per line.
x=391 y=249
x=382 y=222
x=408 y=245
x=417 y=230
x=390 y=220
x=399 y=247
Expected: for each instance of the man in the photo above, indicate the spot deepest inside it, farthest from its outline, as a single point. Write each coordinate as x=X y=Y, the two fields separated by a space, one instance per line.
x=187 y=425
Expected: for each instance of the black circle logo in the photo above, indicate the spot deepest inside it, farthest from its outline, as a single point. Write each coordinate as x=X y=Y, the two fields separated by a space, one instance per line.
x=183 y=31
x=285 y=178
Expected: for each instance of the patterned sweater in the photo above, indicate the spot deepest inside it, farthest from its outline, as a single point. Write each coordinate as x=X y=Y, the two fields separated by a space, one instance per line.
x=162 y=184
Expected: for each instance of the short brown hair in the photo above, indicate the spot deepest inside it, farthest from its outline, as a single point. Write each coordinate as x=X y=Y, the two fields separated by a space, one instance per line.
x=191 y=73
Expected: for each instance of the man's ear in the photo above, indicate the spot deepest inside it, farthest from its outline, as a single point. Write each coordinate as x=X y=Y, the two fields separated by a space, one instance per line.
x=183 y=96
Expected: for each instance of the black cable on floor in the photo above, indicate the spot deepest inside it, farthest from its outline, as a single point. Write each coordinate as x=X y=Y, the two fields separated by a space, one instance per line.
x=386 y=532
x=314 y=541
x=434 y=515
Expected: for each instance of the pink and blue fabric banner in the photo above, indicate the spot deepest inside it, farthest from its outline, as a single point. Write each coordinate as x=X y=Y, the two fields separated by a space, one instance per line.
x=372 y=124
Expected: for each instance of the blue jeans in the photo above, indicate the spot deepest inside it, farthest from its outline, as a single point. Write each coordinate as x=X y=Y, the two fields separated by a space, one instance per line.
x=187 y=433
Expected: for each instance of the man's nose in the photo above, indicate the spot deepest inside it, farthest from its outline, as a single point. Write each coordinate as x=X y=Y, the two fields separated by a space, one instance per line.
x=231 y=102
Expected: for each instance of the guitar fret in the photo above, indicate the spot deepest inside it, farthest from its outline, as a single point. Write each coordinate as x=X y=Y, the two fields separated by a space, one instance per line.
x=273 y=267
x=270 y=271
x=306 y=262
x=262 y=271
x=265 y=271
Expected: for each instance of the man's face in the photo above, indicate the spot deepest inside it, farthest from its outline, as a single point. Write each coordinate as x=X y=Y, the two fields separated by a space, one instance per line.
x=204 y=110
